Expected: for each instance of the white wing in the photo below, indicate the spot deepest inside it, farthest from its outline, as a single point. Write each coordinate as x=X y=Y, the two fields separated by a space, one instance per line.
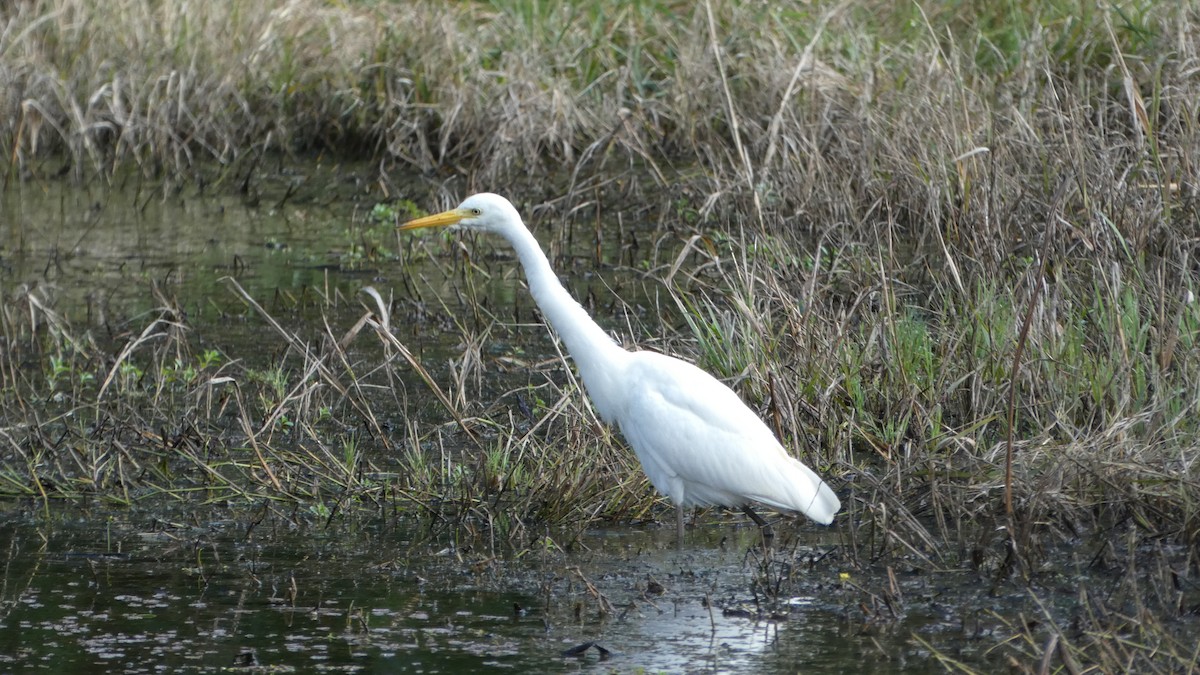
x=700 y=445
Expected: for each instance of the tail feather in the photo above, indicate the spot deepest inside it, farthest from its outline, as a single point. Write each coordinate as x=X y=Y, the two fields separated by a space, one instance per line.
x=799 y=488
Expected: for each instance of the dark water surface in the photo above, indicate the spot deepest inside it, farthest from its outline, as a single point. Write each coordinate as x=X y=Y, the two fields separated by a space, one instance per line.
x=135 y=592
x=102 y=249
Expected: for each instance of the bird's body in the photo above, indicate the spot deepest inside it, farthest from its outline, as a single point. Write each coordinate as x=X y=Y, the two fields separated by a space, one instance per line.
x=696 y=440
x=710 y=449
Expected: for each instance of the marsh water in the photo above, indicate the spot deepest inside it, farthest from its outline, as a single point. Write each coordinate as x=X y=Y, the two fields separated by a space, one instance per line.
x=165 y=587
x=91 y=589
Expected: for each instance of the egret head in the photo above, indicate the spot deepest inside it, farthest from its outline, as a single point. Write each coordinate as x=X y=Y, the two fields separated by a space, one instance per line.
x=484 y=212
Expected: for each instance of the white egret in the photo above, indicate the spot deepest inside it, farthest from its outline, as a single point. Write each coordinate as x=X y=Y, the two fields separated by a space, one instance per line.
x=697 y=441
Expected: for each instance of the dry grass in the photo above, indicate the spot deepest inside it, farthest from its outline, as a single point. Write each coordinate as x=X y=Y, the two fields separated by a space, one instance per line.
x=949 y=249
x=149 y=414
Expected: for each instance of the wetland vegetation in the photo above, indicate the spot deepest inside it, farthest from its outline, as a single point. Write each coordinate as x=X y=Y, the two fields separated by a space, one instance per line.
x=949 y=250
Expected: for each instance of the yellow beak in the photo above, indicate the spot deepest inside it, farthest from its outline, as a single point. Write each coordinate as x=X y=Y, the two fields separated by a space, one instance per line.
x=443 y=219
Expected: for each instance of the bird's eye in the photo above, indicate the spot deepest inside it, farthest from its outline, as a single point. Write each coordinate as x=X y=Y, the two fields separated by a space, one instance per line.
x=476 y=212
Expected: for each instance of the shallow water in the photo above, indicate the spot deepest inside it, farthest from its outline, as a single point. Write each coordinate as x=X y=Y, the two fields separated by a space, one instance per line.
x=102 y=250
x=134 y=592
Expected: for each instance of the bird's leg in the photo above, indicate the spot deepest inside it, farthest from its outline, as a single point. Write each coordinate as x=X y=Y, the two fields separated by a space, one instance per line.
x=679 y=525
x=768 y=534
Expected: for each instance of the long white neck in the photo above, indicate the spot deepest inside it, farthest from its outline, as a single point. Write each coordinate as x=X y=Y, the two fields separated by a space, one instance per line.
x=596 y=356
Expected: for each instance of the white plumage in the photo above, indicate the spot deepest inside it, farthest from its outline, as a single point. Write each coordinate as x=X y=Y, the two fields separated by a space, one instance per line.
x=697 y=441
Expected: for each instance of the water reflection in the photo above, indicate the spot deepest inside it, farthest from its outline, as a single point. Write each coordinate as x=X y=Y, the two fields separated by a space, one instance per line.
x=118 y=594
x=103 y=249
